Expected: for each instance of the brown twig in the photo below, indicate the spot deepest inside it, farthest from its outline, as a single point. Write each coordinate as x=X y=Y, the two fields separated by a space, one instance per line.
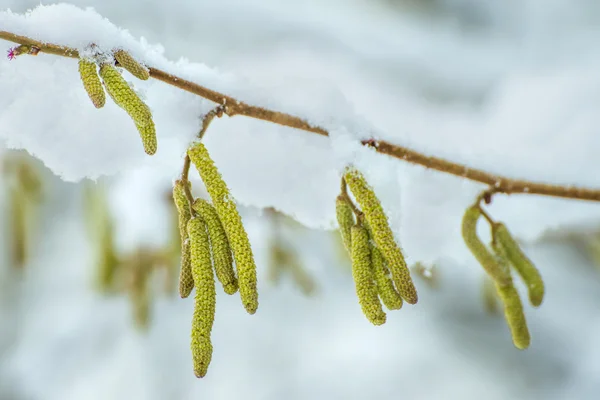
x=499 y=183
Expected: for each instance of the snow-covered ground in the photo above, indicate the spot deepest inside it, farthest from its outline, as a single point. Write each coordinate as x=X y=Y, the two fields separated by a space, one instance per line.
x=511 y=87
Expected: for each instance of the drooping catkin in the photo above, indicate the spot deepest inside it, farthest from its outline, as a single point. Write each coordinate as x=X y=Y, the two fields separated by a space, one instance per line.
x=364 y=276
x=88 y=72
x=232 y=222
x=489 y=295
x=126 y=61
x=345 y=219
x=515 y=318
x=205 y=299
x=186 y=281
x=487 y=260
x=525 y=268
x=513 y=308
x=126 y=98
x=219 y=244
x=385 y=285
x=382 y=233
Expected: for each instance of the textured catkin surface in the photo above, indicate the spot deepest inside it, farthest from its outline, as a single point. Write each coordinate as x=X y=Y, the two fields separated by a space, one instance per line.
x=186 y=281
x=521 y=263
x=131 y=64
x=382 y=234
x=88 y=71
x=126 y=98
x=385 y=285
x=345 y=219
x=364 y=276
x=221 y=251
x=232 y=222
x=205 y=299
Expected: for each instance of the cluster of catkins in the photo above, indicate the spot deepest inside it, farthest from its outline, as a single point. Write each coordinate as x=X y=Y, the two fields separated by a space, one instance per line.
x=91 y=70
x=378 y=266
x=497 y=260
x=212 y=237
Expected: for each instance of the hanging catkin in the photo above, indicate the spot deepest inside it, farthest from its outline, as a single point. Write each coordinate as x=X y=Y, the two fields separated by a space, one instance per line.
x=126 y=98
x=385 y=285
x=186 y=282
x=364 y=276
x=219 y=244
x=382 y=233
x=126 y=61
x=487 y=260
x=88 y=72
x=232 y=222
x=345 y=219
x=523 y=265
x=205 y=299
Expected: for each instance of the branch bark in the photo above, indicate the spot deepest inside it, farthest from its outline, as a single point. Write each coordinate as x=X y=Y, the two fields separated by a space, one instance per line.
x=497 y=183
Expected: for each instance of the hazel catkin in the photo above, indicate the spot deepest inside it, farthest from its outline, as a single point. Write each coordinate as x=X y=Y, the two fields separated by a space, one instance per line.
x=382 y=233
x=232 y=222
x=523 y=265
x=345 y=219
x=364 y=276
x=205 y=299
x=126 y=61
x=186 y=281
x=515 y=318
x=88 y=72
x=385 y=285
x=126 y=98
x=223 y=261
x=487 y=260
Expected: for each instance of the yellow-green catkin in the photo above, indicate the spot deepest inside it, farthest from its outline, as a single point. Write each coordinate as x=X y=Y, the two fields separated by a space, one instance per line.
x=205 y=300
x=126 y=61
x=88 y=71
x=126 y=98
x=232 y=222
x=364 y=276
x=487 y=260
x=531 y=276
x=385 y=285
x=221 y=251
x=345 y=219
x=515 y=318
x=186 y=281
x=382 y=234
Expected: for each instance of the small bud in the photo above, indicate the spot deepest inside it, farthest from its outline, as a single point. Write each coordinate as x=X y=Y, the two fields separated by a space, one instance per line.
x=385 y=285
x=205 y=300
x=232 y=222
x=186 y=282
x=521 y=263
x=382 y=234
x=488 y=261
x=220 y=246
x=126 y=61
x=364 y=276
x=88 y=72
x=345 y=218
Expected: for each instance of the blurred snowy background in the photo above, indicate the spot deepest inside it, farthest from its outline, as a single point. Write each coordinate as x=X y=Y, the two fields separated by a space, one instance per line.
x=509 y=86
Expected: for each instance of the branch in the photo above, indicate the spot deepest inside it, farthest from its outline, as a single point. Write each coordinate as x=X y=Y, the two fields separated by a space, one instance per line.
x=497 y=183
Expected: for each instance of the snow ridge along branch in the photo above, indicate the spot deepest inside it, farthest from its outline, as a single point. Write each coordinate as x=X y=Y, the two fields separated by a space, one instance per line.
x=497 y=183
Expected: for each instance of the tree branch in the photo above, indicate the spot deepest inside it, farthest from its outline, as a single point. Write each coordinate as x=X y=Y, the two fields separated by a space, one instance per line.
x=499 y=184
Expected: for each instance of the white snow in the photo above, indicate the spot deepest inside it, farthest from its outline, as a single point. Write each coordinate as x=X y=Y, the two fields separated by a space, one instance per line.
x=513 y=91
